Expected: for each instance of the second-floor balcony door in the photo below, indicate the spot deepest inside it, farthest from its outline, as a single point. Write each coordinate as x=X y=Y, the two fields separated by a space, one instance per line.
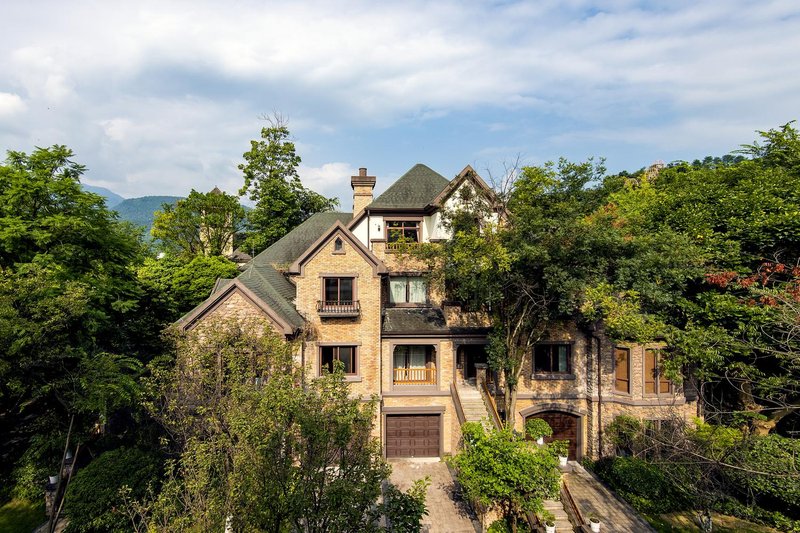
x=339 y=297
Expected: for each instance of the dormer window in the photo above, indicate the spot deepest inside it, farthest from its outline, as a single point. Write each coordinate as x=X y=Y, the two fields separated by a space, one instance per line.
x=408 y=290
x=402 y=231
x=338 y=245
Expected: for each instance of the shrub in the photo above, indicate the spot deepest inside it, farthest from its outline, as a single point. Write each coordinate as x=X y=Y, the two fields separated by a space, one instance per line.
x=92 y=499
x=559 y=448
x=643 y=485
x=537 y=427
x=404 y=510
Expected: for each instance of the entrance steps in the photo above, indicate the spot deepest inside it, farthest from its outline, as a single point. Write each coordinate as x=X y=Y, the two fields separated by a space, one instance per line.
x=472 y=404
x=561 y=518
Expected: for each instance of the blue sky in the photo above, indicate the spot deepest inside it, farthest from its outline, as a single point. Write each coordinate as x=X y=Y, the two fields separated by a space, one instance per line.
x=162 y=97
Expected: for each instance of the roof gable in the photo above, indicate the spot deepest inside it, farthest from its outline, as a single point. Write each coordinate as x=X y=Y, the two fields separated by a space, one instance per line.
x=468 y=174
x=416 y=189
x=191 y=319
x=337 y=230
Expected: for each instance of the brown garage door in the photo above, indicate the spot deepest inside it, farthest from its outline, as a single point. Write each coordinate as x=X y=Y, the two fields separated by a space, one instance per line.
x=565 y=427
x=412 y=435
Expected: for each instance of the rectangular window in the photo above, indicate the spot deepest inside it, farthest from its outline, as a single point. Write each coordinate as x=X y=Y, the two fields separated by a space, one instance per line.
x=552 y=359
x=345 y=354
x=338 y=290
x=654 y=380
x=622 y=370
x=402 y=231
x=413 y=290
x=414 y=365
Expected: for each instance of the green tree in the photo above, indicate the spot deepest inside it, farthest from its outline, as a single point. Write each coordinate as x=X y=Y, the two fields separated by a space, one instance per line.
x=178 y=284
x=501 y=470
x=272 y=182
x=68 y=295
x=257 y=446
x=201 y=224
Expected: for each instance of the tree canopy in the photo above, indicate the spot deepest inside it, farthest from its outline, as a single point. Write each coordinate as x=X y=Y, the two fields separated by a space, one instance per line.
x=272 y=182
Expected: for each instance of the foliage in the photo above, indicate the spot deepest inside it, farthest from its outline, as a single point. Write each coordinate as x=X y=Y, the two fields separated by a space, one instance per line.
x=256 y=445
x=537 y=427
x=643 y=485
x=404 y=510
x=706 y=466
x=69 y=306
x=502 y=470
x=559 y=448
x=92 y=499
x=21 y=516
x=179 y=283
x=272 y=182
x=202 y=224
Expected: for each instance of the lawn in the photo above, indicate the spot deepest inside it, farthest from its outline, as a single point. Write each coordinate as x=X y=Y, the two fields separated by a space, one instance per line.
x=21 y=516
x=685 y=522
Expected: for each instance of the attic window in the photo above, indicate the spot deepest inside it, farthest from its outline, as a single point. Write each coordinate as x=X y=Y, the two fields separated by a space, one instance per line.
x=338 y=245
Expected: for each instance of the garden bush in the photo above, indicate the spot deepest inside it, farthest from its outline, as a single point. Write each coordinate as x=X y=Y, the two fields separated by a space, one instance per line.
x=643 y=485
x=93 y=502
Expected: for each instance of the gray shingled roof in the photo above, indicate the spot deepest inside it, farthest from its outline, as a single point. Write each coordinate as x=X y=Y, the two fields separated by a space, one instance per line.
x=415 y=189
x=414 y=320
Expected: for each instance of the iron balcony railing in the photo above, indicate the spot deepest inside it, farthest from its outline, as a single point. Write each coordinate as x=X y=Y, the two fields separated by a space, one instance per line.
x=338 y=307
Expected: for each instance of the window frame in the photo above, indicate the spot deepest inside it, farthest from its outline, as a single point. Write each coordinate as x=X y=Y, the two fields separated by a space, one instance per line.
x=336 y=347
x=413 y=223
x=552 y=347
x=658 y=378
x=406 y=302
x=339 y=300
x=617 y=379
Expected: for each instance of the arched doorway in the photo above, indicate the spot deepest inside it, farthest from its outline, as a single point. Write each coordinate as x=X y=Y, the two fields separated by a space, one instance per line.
x=565 y=427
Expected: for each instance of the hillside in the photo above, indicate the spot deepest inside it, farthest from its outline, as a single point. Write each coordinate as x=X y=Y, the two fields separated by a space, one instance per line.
x=112 y=198
x=140 y=210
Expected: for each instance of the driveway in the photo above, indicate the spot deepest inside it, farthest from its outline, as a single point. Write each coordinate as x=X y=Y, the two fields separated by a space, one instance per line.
x=447 y=513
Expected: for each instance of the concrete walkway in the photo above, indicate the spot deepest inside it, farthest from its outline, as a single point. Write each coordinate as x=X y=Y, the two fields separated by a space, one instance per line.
x=447 y=513
x=592 y=497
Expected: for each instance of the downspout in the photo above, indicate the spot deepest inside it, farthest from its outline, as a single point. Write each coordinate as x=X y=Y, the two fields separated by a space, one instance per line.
x=599 y=397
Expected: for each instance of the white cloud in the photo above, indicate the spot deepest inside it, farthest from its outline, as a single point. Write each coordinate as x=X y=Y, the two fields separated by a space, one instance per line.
x=11 y=104
x=329 y=179
x=164 y=97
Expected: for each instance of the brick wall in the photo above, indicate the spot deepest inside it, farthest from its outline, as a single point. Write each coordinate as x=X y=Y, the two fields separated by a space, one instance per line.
x=363 y=331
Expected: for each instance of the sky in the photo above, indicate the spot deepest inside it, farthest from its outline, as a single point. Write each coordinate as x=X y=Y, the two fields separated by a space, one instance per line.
x=158 y=98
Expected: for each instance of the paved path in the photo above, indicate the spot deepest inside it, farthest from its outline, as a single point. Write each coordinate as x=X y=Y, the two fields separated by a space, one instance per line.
x=447 y=513
x=592 y=497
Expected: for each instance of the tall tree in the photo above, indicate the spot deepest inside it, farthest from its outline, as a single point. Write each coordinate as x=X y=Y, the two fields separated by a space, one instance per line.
x=201 y=224
x=67 y=296
x=272 y=182
x=257 y=446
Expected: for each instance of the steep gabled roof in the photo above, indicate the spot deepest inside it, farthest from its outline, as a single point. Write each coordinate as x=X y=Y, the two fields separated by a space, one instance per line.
x=264 y=284
x=416 y=189
x=468 y=174
x=340 y=230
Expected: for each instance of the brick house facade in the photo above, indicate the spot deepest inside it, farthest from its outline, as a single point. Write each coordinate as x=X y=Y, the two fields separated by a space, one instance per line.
x=336 y=282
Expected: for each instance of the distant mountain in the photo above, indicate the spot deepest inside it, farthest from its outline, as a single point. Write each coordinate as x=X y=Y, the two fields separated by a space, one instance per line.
x=111 y=197
x=140 y=210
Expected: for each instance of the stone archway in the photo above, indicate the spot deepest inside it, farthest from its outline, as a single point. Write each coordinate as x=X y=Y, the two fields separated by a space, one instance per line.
x=566 y=422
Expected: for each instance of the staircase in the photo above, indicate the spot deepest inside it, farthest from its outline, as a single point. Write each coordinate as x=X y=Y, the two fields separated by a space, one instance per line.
x=472 y=404
x=562 y=520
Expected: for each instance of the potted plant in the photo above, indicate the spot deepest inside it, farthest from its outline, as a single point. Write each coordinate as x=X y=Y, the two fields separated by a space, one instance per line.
x=560 y=449
x=538 y=429
x=549 y=522
x=594 y=523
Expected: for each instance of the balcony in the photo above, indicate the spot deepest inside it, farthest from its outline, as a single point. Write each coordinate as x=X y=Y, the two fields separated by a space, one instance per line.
x=415 y=376
x=402 y=246
x=338 y=308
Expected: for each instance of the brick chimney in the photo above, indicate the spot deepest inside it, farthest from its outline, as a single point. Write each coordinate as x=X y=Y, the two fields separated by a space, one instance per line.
x=362 y=190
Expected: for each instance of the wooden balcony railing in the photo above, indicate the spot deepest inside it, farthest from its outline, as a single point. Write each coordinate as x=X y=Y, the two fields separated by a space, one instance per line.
x=415 y=376
x=393 y=247
x=338 y=308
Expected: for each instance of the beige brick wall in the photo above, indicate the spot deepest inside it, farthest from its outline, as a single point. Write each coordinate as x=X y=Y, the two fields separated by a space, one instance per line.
x=237 y=307
x=363 y=331
x=582 y=394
